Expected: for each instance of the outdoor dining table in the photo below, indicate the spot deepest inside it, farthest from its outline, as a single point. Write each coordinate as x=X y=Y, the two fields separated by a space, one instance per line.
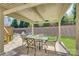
x=37 y=38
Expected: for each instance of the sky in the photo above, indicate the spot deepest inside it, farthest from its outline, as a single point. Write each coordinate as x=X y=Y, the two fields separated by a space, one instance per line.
x=69 y=10
x=7 y=21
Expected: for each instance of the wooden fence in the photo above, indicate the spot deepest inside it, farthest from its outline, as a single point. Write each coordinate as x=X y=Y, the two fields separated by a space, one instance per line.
x=68 y=30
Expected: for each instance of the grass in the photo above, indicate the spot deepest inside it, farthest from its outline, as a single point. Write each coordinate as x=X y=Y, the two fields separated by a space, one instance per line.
x=69 y=42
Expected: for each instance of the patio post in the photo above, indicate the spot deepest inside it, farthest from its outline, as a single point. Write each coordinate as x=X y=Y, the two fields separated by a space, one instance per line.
x=59 y=30
x=32 y=29
x=77 y=28
x=1 y=32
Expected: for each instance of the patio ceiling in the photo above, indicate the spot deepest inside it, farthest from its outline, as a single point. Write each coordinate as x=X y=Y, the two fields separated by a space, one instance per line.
x=35 y=11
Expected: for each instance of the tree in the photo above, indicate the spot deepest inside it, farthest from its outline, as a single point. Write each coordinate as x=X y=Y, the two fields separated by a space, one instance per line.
x=70 y=19
x=36 y=25
x=14 y=23
x=23 y=24
x=64 y=20
x=74 y=13
x=26 y=24
x=46 y=24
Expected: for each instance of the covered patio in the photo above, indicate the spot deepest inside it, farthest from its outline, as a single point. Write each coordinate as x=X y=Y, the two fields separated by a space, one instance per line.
x=35 y=13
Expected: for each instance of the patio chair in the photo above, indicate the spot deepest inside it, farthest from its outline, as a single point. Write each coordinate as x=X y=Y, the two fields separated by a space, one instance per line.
x=23 y=39
x=42 y=43
x=23 y=36
x=45 y=45
x=31 y=43
x=51 y=45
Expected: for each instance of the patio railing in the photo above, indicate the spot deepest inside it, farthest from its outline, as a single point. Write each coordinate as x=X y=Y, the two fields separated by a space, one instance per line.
x=7 y=34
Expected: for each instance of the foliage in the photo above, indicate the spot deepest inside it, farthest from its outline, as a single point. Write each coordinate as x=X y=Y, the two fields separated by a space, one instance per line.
x=46 y=24
x=23 y=24
x=14 y=23
x=64 y=20
x=74 y=13
x=69 y=19
x=26 y=24
x=36 y=25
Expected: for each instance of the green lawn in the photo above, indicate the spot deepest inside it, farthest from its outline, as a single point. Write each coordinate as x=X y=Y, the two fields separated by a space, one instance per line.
x=69 y=42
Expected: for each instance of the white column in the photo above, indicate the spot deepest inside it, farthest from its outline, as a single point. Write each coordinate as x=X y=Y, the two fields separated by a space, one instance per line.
x=59 y=30
x=77 y=29
x=32 y=29
x=1 y=32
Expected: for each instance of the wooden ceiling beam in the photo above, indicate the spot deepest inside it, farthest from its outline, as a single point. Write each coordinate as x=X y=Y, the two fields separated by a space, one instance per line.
x=19 y=8
x=39 y=14
x=16 y=15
